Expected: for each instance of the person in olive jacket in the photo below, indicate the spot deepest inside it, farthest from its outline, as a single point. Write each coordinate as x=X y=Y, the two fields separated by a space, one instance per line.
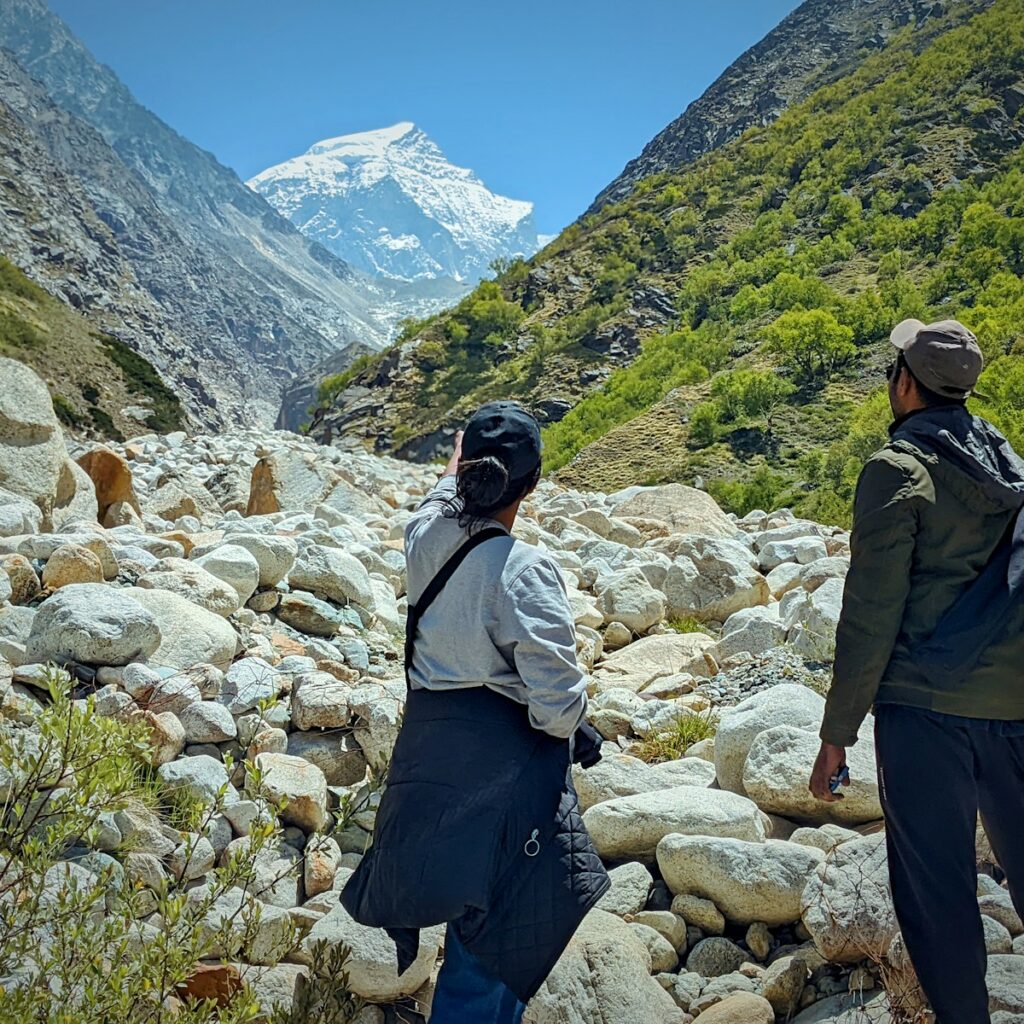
x=932 y=635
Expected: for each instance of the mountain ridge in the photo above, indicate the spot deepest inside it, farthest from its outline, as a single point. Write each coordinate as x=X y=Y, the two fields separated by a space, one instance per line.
x=791 y=61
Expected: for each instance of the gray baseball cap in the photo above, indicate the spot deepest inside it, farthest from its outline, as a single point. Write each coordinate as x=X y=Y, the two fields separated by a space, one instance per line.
x=945 y=356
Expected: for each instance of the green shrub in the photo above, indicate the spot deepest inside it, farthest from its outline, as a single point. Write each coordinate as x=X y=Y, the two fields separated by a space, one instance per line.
x=704 y=422
x=141 y=377
x=73 y=947
x=690 y=728
x=813 y=343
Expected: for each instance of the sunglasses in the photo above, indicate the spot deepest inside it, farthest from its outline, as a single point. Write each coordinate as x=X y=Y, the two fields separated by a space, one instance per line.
x=892 y=370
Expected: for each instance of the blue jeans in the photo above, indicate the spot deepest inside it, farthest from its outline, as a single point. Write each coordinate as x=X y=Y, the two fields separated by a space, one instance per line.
x=466 y=994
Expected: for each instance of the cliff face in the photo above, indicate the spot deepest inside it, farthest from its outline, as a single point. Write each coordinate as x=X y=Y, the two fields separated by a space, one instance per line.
x=111 y=209
x=817 y=44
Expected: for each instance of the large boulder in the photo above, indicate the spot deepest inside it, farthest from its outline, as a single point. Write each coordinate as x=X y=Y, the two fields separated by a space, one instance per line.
x=192 y=582
x=93 y=624
x=1005 y=979
x=626 y=596
x=750 y=631
x=683 y=509
x=190 y=635
x=274 y=556
x=847 y=904
x=76 y=498
x=69 y=564
x=111 y=478
x=338 y=756
x=373 y=964
x=712 y=579
x=618 y=775
x=319 y=701
x=289 y=481
x=740 y=1008
x=33 y=457
x=235 y=566
x=779 y=765
x=630 y=889
x=666 y=654
x=603 y=975
x=632 y=826
x=748 y=882
x=785 y=704
x=333 y=574
x=814 y=632
x=18 y=515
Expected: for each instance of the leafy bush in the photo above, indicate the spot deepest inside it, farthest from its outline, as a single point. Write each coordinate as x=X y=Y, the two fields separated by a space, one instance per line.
x=73 y=943
x=704 y=421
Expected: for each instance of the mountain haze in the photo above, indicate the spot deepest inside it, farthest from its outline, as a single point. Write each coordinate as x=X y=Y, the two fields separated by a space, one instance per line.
x=184 y=262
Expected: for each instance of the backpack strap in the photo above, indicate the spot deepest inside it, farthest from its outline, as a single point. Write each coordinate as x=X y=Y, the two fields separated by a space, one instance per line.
x=435 y=586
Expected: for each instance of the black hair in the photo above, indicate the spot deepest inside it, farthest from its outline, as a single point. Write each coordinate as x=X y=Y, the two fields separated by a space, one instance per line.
x=931 y=399
x=483 y=486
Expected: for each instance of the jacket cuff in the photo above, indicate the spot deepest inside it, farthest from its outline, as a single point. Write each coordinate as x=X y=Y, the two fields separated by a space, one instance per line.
x=836 y=734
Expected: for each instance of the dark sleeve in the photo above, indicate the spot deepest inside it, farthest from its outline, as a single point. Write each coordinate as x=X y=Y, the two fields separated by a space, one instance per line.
x=885 y=523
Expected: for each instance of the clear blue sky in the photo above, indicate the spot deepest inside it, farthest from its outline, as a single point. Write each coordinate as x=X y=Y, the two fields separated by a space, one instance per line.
x=545 y=99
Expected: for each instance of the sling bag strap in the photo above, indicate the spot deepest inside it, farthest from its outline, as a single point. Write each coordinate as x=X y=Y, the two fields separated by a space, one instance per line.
x=436 y=585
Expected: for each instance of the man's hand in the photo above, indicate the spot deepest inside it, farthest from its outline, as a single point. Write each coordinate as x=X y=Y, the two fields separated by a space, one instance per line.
x=453 y=463
x=830 y=759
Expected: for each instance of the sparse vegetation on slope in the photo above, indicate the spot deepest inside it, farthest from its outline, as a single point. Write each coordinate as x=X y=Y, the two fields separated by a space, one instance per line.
x=92 y=377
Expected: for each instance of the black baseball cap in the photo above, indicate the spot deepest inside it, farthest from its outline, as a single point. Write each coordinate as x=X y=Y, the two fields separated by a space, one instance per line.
x=508 y=431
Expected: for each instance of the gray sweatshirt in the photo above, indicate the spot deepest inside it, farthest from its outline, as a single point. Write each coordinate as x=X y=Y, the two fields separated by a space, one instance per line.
x=503 y=620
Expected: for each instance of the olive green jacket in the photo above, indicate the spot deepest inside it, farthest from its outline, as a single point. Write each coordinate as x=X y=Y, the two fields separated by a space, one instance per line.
x=931 y=509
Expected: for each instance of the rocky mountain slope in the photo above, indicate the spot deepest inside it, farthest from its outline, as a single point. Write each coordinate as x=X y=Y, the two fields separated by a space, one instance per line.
x=228 y=611
x=108 y=207
x=817 y=44
x=389 y=202
x=727 y=321
x=100 y=387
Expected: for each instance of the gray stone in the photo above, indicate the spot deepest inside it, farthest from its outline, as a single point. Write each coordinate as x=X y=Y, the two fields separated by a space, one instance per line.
x=632 y=826
x=93 y=624
x=631 y=885
x=190 y=635
x=747 y=881
x=207 y=722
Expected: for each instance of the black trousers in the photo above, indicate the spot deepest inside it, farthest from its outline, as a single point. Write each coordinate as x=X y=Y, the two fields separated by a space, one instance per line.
x=936 y=773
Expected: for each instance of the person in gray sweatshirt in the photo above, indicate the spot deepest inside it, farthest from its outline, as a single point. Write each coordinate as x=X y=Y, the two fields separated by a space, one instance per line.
x=479 y=827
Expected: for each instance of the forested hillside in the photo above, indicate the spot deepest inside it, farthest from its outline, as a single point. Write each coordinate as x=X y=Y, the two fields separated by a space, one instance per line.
x=743 y=302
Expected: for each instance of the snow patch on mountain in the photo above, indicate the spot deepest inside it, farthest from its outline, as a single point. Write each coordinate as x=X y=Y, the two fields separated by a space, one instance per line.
x=388 y=201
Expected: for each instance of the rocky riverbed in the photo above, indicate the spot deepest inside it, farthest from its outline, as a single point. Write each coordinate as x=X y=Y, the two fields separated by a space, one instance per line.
x=242 y=596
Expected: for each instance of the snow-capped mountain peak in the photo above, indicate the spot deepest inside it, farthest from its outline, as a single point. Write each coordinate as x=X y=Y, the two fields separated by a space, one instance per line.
x=390 y=202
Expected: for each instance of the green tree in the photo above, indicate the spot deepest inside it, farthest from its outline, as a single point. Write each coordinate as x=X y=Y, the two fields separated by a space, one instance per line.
x=812 y=342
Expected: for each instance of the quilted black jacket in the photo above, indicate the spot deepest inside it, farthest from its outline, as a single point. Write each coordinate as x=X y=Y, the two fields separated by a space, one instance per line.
x=479 y=827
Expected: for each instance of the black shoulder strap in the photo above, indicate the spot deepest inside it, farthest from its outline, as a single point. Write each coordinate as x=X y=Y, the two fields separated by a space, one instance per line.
x=436 y=585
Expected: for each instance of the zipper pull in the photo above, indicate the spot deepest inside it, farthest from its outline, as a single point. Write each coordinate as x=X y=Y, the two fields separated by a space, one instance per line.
x=532 y=845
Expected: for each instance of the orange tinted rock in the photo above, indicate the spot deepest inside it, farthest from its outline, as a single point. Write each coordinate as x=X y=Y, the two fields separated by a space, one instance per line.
x=112 y=478
x=219 y=982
